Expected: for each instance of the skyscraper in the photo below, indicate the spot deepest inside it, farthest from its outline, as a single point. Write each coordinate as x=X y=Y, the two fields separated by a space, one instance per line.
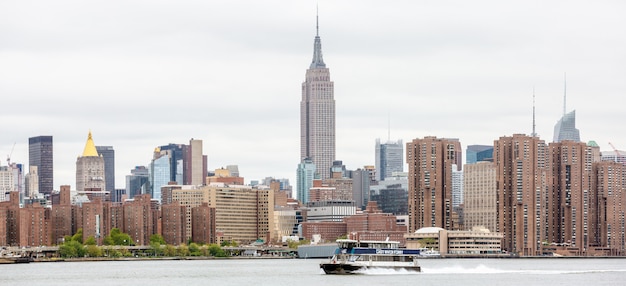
x=431 y=161
x=565 y=128
x=90 y=169
x=389 y=158
x=40 y=155
x=520 y=163
x=305 y=176
x=108 y=154
x=317 y=114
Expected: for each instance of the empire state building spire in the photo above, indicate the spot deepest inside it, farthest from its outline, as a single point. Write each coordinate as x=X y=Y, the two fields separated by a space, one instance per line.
x=318 y=61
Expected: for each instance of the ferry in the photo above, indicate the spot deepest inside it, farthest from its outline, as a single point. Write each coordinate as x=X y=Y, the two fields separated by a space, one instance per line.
x=357 y=256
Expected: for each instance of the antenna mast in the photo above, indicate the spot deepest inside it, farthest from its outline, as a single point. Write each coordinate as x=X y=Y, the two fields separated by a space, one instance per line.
x=534 y=133
x=317 y=20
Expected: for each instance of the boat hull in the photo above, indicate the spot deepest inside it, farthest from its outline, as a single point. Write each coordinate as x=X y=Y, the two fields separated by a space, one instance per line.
x=344 y=268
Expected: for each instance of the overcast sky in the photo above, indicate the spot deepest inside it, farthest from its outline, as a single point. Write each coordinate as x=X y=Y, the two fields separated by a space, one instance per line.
x=141 y=74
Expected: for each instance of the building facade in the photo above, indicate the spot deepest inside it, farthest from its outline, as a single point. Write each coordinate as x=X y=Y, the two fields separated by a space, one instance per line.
x=40 y=154
x=521 y=176
x=431 y=161
x=108 y=154
x=305 y=176
x=317 y=114
x=90 y=175
x=389 y=158
x=480 y=196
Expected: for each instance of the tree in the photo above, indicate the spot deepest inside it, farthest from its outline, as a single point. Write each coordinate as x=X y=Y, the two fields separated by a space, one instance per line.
x=157 y=238
x=90 y=241
x=217 y=251
x=78 y=236
x=93 y=250
x=194 y=249
x=116 y=237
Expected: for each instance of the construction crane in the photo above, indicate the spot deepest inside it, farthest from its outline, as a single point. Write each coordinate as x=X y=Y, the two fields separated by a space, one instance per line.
x=617 y=154
x=9 y=156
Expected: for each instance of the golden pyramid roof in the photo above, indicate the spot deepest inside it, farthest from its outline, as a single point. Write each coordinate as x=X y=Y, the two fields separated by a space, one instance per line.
x=90 y=148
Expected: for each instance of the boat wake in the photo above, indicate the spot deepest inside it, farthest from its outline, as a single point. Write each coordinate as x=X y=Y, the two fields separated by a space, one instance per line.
x=482 y=269
x=385 y=271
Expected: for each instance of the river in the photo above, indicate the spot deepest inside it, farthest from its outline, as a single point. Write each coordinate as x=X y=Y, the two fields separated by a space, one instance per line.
x=303 y=272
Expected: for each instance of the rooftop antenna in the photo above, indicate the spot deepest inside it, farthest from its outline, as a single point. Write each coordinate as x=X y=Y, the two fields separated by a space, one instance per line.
x=564 y=93
x=317 y=20
x=534 y=133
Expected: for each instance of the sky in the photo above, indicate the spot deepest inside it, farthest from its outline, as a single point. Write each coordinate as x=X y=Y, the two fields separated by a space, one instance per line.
x=141 y=74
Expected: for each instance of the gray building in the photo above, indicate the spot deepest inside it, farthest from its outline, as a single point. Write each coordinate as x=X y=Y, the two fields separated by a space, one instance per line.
x=389 y=158
x=108 y=154
x=138 y=182
x=361 y=187
x=40 y=154
x=565 y=128
x=317 y=114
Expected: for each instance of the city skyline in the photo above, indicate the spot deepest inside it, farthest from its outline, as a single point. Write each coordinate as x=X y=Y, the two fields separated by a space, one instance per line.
x=163 y=74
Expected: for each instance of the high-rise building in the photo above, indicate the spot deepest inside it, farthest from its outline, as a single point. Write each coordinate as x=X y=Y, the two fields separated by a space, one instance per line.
x=317 y=114
x=40 y=155
x=478 y=153
x=108 y=154
x=611 y=182
x=361 y=187
x=520 y=162
x=138 y=182
x=431 y=161
x=195 y=164
x=480 y=195
x=565 y=128
x=571 y=202
x=160 y=169
x=389 y=158
x=89 y=169
x=305 y=176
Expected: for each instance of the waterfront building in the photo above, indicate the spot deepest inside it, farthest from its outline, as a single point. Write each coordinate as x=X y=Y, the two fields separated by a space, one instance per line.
x=61 y=214
x=431 y=161
x=285 y=222
x=480 y=195
x=389 y=158
x=373 y=224
x=242 y=213
x=305 y=175
x=139 y=219
x=571 y=201
x=478 y=241
x=317 y=114
x=203 y=224
x=90 y=174
x=610 y=181
x=478 y=153
x=108 y=154
x=174 y=223
x=520 y=162
x=40 y=154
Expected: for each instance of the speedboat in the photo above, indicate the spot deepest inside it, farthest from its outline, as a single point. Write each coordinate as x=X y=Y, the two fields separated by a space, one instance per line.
x=358 y=256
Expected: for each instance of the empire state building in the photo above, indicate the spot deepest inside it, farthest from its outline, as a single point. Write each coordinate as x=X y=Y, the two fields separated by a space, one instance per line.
x=317 y=114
